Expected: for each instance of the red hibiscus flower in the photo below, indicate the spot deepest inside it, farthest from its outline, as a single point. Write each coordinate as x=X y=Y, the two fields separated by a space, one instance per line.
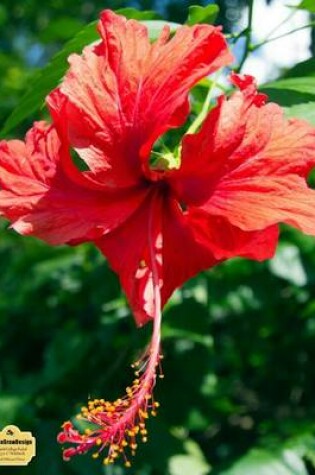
x=223 y=196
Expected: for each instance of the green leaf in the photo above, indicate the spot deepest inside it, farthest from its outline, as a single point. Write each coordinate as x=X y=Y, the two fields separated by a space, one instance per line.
x=288 y=265
x=302 y=111
x=9 y=406
x=61 y=29
x=296 y=95
x=305 y=68
x=303 y=85
x=135 y=14
x=308 y=5
x=263 y=462
x=48 y=78
x=198 y=14
x=193 y=462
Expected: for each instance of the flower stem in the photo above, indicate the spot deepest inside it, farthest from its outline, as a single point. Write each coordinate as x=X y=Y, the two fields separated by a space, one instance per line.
x=204 y=111
x=248 y=36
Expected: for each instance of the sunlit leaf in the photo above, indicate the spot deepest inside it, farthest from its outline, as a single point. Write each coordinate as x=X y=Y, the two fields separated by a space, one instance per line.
x=191 y=463
x=296 y=95
x=130 y=12
x=306 y=5
x=263 y=462
x=288 y=265
x=199 y=14
x=302 y=111
x=303 y=85
x=48 y=78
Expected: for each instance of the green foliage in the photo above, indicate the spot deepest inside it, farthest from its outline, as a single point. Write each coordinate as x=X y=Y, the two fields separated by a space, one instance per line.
x=307 y=5
x=238 y=393
x=263 y=462
x=295 y=94
x=305 y=68
x=197 y=14
x=48 y=78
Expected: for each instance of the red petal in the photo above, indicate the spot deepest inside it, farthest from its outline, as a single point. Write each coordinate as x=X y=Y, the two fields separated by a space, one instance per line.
x=256 y=202
x=177 y=253
x=129 y=250
x=185 y=252
x=125 y=92
x=39 y=198
x=250 y=165
x=183 y=244
x=227 y=241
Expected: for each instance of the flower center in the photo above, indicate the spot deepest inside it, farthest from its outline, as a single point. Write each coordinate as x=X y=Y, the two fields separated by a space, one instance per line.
x=164 y=161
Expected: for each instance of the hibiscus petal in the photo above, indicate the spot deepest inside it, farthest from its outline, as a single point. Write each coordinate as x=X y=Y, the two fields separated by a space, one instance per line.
x=125 y=92
x=233 y=131
x=257 y=202
x=132 y=250
x=250 y=166
x=39 y=198
x=227 y=241
x=185 y=253
x=161 y=230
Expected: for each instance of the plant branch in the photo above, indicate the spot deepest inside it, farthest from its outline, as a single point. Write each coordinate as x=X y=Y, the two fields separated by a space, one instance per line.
x=283 y=22
x=258 y=45
x=248 y=35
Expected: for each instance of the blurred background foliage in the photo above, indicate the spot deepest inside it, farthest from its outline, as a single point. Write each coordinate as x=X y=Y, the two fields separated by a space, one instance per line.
x=238 y=393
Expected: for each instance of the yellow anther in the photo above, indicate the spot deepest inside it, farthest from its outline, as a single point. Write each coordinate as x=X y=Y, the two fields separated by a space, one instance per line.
x=106 y=461
x=99 y=441
x=143 y=432
x=143 y=414
x=124 y=443
x=134 y=446
x=156 y=404
x=153 y=413
x=161 y=376
x=144 y=439
x=127 y=464
x=88 y=431
x=95 y=455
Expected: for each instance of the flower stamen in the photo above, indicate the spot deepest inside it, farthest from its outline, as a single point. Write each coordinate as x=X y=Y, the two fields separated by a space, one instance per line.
x=116 y=426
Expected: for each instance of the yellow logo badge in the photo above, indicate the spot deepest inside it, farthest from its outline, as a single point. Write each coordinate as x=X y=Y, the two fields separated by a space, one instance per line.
x=16 y=447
